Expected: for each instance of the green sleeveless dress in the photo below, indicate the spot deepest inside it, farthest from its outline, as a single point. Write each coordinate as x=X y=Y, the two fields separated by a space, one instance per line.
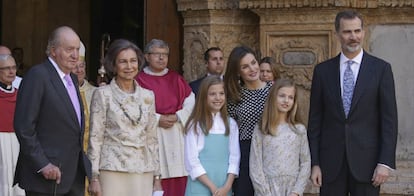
x=215 y=159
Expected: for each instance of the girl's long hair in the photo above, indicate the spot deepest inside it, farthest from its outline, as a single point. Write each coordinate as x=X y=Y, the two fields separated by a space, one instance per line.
x=201 y=114
x=269 y=122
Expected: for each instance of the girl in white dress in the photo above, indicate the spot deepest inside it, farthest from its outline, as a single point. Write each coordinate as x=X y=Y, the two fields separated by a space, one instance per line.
x=279 y=155
x=211 y=150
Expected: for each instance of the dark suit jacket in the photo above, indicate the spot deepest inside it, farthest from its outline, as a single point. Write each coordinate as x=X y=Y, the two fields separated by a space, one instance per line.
x=195 y=85
x=369 y=135
x=48 y=131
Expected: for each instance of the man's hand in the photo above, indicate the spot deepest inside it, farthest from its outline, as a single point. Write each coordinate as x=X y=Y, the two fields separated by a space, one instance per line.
x=51 y=172
x=167 y=121
x=380 y=176
x=316 y=176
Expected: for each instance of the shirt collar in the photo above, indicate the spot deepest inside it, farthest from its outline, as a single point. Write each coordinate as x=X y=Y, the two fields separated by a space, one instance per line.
x=6 y=88
x=148 y=71
x=357 y=59
x=60 y=72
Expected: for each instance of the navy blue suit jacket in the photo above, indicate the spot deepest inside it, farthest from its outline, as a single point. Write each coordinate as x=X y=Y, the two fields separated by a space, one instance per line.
x=369 y=135
x=195 y=85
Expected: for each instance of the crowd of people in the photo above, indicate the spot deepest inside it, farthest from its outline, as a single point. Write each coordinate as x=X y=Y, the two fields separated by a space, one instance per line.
x=234 y=131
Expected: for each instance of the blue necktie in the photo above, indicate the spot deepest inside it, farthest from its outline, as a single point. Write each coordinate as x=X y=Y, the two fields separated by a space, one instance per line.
x=348 y=87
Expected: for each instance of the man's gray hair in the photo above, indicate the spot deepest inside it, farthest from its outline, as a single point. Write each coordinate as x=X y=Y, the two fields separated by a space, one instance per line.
x=4 y=57
x=54 y=38
x=156 y=43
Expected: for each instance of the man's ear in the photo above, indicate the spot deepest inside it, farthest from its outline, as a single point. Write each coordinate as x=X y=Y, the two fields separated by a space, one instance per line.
x=53 y=51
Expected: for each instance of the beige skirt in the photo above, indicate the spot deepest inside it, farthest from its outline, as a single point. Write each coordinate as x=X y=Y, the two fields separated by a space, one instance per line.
x=126 y=184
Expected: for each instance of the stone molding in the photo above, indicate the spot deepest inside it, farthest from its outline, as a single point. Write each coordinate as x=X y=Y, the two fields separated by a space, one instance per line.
x=255 y=4
x=186 y=5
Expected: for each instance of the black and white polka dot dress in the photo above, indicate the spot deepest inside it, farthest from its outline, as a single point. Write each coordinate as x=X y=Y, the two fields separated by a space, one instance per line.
x=249 y=110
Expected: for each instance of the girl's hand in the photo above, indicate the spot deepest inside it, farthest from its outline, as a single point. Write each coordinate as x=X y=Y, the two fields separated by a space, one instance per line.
x=294 y=194
x=221 y=191
x=157 y=185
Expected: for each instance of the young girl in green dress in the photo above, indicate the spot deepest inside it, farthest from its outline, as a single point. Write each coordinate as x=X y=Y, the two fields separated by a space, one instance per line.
x=211 y=150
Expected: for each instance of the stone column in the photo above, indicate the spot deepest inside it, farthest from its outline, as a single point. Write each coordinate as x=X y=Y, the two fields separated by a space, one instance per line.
x=214 y=24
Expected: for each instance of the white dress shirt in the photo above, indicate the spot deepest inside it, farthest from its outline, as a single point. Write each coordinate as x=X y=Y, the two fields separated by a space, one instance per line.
x=354 y=67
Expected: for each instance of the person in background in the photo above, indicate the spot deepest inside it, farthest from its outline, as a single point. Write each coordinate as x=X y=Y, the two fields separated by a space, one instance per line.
x=86 y=90
x=214 y=63
x=174 y=102
x=18 y=54
x=212 y=151
x=279 y=155
x=49 y=122
x=17 y=80
x=246 y=96
x=9 y=146
x=268 y=69
x=123 y=142
x=353 y=122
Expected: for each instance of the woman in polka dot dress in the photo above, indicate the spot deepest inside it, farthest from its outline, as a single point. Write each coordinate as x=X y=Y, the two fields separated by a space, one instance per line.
x=246 y=95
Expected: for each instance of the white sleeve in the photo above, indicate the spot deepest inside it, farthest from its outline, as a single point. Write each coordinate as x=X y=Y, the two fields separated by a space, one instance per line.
x=191 y=152
x=234 y=147
x=185 y=112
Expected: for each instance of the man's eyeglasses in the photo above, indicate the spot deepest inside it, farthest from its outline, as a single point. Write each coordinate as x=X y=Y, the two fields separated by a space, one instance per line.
x=80 y=65
x=9 y=68
x=159 y=54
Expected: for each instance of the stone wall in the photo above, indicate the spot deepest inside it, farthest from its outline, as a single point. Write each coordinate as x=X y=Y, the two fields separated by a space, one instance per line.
x=300 y=34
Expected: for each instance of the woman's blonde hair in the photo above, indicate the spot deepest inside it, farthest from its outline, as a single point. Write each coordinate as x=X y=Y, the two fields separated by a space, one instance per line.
x=269 y=122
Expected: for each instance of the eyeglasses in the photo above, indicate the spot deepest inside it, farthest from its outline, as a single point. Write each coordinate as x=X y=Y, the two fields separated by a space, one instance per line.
x=80 y=65
x=159 y=54
x=9 y=68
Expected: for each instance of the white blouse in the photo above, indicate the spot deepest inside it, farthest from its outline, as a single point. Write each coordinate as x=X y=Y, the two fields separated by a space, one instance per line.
x=194 y=144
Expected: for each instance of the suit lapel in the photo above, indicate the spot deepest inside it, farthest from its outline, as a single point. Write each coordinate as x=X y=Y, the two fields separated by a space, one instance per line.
x=335 y=87
x=364 y=76
x=76 y=83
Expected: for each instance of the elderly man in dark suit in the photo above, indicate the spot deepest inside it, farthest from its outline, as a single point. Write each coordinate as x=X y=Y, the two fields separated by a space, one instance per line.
x=49 y=123
x=353 y=117
x=215 y=66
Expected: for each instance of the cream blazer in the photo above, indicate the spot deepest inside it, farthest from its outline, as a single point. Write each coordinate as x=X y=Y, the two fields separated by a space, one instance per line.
x=123 y=131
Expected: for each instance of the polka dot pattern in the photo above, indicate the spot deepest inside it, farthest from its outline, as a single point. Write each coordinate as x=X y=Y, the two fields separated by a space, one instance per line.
x=249 y=110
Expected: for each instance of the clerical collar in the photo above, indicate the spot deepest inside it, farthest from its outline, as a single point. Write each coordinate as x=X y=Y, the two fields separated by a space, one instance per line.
x=6 y=87
x=148 y=71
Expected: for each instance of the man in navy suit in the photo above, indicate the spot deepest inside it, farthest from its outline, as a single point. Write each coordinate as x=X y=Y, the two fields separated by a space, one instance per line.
x=49 y=123
x=352 y=126
x=215 y=66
